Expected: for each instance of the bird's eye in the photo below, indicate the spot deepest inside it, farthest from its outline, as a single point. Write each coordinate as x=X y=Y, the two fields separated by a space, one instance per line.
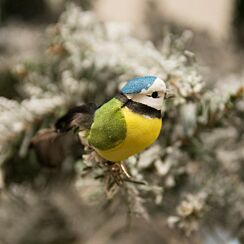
x=154 y=94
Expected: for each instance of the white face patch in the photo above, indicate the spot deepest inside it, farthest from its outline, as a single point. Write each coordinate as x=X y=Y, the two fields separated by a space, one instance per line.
x=148 y=97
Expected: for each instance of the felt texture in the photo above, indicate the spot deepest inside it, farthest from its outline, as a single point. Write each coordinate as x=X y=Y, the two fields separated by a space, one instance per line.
x=139 y=107
x=142 y=131
x=109 y=126
x=77 y=118
x=138 y=84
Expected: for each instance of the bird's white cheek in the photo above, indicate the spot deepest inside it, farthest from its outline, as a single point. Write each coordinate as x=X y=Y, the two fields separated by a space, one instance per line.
x=155 y=102
x=149 y=101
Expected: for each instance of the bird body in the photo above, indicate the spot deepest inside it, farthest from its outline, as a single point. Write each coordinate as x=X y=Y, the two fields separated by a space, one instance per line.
x=141 y=132
x=126 y=124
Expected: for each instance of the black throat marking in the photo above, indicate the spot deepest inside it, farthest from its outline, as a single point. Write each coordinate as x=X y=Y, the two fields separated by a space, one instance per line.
x=139 y=107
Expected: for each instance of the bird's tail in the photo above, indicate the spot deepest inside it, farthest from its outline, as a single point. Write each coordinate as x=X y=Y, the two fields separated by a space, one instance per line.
x=52 y=145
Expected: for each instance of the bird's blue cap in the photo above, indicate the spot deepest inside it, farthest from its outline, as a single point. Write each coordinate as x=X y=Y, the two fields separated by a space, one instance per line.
x=138 y=84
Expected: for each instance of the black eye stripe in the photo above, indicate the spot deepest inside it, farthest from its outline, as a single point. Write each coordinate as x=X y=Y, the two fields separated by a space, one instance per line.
x=154 y=95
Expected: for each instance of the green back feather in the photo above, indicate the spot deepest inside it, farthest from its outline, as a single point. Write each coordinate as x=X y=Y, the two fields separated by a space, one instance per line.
x=109 y=126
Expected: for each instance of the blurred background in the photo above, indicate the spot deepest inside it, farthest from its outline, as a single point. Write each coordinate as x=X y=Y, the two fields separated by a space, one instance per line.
x=55 y=54
x=217 y=23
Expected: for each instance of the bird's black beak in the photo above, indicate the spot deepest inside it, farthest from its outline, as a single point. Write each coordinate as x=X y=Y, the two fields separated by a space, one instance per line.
x=169 y=94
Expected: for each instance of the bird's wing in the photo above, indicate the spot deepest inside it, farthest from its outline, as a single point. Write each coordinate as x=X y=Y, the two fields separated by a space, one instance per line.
x=77 y=118
x=109 y=126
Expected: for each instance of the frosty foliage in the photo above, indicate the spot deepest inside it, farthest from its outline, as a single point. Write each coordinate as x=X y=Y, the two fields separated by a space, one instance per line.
x=196 y=163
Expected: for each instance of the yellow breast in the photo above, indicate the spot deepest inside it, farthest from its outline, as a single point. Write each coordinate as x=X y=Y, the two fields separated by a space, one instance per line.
x=142 y=131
